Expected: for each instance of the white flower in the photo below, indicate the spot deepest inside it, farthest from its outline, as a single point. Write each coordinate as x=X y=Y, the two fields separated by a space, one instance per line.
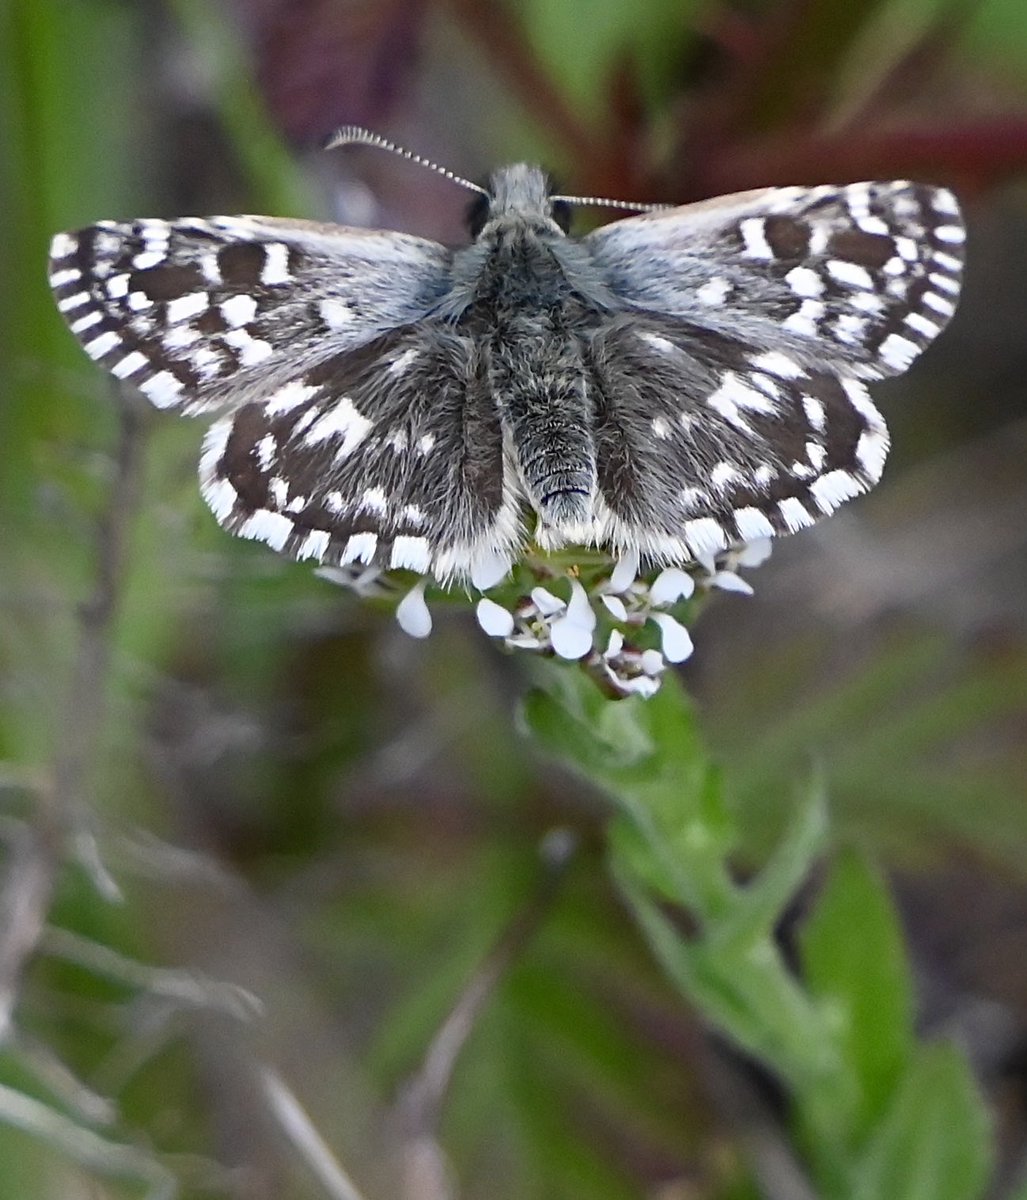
x=728 y=581
x=676 y=640
x=412 y=612
x=494 y=619
x=670 y=586
x=754 y=553
x=571 y=634
x=615 y=607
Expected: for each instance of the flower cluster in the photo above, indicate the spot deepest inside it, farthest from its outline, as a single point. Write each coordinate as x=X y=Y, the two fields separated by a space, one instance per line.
x=624 y=624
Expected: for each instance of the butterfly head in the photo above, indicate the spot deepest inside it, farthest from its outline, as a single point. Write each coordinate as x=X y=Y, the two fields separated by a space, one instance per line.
x=519 y=194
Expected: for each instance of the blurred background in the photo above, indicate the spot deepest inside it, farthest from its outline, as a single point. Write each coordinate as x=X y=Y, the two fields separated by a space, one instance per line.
x=293 y=797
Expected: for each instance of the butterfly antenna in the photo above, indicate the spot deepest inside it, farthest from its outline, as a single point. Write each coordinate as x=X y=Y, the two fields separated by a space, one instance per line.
x=354 y=135
x=602 y=202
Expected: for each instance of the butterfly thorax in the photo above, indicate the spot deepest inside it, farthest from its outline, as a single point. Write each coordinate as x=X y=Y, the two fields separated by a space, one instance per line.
x=531 y=326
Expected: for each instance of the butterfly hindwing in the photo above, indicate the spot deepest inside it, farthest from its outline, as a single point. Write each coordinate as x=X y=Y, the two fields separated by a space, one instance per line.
x=703 y=441
x=391 y=455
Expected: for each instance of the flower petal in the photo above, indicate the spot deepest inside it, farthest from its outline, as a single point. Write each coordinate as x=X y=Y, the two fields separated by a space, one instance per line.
x=615 y=605
x=671 y=585
x=546 y=603
x=496 y=620
x=728 y=581
x=624 y=573
x=569 y=639
x=579 y=609
x=652 y=662
x=677 y=642
x=615 y=645
x=412 y=612
x=755 y=553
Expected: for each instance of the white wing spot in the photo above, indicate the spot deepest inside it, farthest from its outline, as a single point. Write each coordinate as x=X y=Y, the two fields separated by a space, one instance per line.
x=413 y=515
x=276 y=264
x=872 y=450
x=907 y=249
x=239 y=310
x=804 y=281
x=764 y=475
x=777 y=364
x=947 y=262
x=251 y=350
x=62 y=278
x=754 y=238
x=425 y=443
x=117 y=286
x=145 y=260
x=872 y=224
x=714 y=291
x=335 y=313
x=794 y=514
x=343 y=420
x=72 y=302
x=898 y=352
x=269 y=527
x=162 y=390
x=314 y=544
x=805 y=320
x=920 y=324
x=102 y=345
x=290 y=395
x=815 y=413
x=138 y=301
x=661 y=428
x=833 y=489
x=374 y=500
x=360 y=547
x=664 y=345
x=939 y=303
x=267 y=449
x=411 y=553
x=955 y=235
x=184 y=307
x=850 y=273
x=86 y=322
x=724 y=474
x=694 y=498
x=752 y=524
x=704 y=536
x=63 y=246
x=129 y=365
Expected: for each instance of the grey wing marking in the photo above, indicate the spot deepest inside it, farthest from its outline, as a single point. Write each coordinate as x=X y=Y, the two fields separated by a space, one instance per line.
x=857 y=278
x=390 y=455
x=202 y=312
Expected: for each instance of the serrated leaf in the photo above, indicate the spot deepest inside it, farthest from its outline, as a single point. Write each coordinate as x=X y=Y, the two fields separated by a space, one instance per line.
x=935 y=1142
x=855 y=965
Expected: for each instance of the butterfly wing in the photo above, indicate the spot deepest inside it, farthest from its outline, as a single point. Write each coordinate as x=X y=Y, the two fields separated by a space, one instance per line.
x=391 y=455
x=857 y=278
x=729 y=393
x=204 y=312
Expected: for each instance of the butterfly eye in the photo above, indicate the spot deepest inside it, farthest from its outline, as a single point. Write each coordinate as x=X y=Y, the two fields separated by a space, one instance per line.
x=478 y=213
x=561 y=212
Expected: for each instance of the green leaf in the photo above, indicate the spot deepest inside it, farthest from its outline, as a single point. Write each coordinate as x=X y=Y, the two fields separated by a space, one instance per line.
x=935 y=1143
x=855 y=965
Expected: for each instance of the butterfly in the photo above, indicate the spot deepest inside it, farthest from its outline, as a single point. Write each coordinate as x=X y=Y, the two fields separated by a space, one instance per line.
x=666 y=386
